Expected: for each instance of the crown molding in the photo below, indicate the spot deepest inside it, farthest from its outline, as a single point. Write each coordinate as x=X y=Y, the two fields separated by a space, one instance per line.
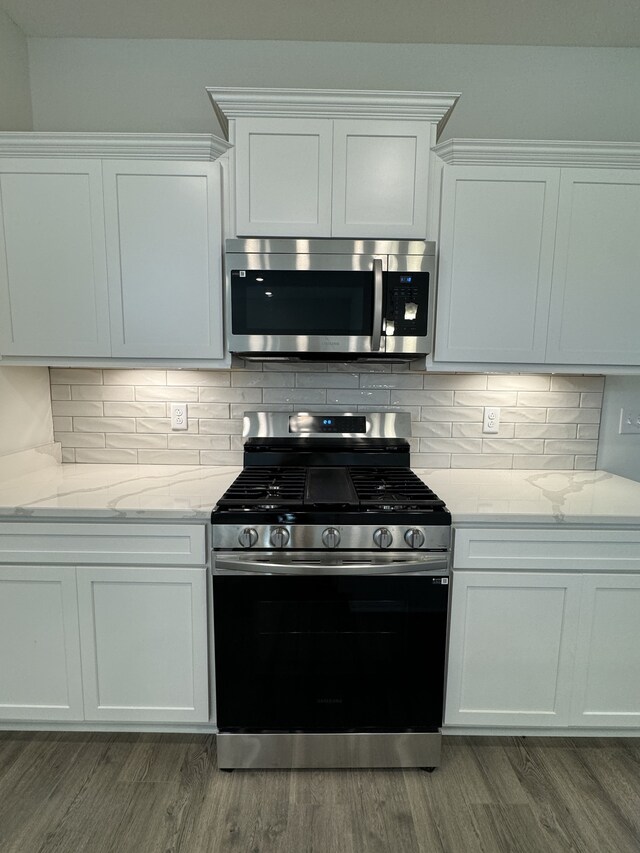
x=129 y=146
x=232 y=103
x=520 y=152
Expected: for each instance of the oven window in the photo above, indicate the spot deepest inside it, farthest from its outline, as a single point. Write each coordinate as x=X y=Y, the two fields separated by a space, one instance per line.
x=301 y=302
x=329 y=653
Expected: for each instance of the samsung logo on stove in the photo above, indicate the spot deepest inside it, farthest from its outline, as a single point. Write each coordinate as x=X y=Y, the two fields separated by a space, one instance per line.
x=322 y=701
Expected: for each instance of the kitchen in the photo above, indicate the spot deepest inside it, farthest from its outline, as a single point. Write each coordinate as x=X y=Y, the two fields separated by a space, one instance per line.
x=99 y=87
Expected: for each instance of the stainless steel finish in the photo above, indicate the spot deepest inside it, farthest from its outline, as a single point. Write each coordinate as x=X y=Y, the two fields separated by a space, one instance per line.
x=307 y=537
x=329 y=254
x=305 y=563
x=291 y=246
x=383 y=537
x=276 y=425
x=279 y=537
x=414 y=537
x=331 y=537
x=296 y=750
x=376 y=334
x=248 y=537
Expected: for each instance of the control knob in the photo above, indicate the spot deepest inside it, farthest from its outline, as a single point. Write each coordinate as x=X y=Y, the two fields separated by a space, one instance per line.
x=382 y=537
x=414 y=537
x=279 y=537
x=331 y=537
x=248 y=537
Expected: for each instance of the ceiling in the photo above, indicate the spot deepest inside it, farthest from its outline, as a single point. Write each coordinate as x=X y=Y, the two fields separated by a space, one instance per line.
x=599 y=23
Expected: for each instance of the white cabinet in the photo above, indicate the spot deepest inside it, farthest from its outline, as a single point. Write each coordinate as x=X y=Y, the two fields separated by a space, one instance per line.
x=312 y=163
x=283 y=177
x=107 y=641
x=115 y=253
x=538 y=260
x=551 y=637
x=53 y=276
x=596 y=277
x=607 y=669
x=512 y=640
x=144 y=644
x=497 y=237
x=39 y=644
x=164 y=231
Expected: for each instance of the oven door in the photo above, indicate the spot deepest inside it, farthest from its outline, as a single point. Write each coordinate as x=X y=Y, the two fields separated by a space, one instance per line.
x=301 y=304
x=332 y=652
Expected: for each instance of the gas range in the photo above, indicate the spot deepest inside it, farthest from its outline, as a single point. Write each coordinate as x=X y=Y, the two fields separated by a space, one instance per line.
x=307 y=486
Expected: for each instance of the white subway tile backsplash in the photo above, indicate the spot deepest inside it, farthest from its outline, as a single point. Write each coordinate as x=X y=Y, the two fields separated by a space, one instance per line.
x=76 y=408
x=121 y=393
x=121 y=415
x=153 y=393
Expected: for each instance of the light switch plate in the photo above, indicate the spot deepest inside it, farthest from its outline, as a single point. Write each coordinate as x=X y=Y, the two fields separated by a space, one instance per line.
x=629 y=421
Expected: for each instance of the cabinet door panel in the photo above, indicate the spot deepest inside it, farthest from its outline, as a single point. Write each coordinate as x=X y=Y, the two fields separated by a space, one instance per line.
x=512 y=639
x=496 y=254
x=283 y=177
x=53 y=280
x=595 y=301
x=380 y=176
x=164 y=254
x=144 y=644
x=39 y=644
x=607 y=677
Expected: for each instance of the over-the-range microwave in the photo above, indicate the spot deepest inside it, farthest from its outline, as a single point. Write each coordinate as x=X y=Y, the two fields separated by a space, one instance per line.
x=329 y=299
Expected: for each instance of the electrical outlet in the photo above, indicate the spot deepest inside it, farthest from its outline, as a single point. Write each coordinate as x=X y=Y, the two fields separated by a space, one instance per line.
x=179 y=419
x=491 y=421
x=629 y=421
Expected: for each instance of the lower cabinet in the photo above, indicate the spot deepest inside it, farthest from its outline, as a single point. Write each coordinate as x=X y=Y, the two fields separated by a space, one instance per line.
x=103 y=644
x=545 y=628
x=39 y=644
x=531 y=649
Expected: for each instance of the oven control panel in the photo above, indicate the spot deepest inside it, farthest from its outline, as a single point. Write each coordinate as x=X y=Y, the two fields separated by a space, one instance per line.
x=336 y=424
x=312 y=537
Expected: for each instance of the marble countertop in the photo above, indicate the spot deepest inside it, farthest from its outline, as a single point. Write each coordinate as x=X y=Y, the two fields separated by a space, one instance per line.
x=189 y=492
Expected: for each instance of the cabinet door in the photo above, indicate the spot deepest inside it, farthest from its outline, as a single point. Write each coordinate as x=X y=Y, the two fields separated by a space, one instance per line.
x=283 y=177
x=53 y=278
x=497 y=238
x=39 y=644
x=607 y=673
x=511 y=646
x=380 y=177
x=595 y=301
x=144 y=644
x=164 y=225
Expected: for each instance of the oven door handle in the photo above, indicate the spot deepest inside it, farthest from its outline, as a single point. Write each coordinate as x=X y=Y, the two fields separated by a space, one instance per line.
x=436 y=565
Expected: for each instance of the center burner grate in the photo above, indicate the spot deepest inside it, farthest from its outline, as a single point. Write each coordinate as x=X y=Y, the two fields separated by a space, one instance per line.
x=392 y=487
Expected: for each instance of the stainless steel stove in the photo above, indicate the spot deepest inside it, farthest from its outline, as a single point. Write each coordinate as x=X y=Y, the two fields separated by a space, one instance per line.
x=331 y=579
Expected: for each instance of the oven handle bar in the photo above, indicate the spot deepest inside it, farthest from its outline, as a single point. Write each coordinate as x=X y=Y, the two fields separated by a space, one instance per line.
x=434 y=566
x=376 y=333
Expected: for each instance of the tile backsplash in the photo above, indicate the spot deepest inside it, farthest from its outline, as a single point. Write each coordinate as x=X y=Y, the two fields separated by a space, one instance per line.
x=546 y=421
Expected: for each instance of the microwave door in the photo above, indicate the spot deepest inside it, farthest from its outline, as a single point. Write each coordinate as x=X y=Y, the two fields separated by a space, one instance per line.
x=305 y=304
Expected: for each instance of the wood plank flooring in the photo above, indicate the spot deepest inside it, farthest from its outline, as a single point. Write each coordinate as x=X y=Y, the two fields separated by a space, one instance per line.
x=141 y=793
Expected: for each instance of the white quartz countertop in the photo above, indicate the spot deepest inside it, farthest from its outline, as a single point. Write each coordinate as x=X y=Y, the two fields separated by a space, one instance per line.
x=536 y=497
x=190 y=492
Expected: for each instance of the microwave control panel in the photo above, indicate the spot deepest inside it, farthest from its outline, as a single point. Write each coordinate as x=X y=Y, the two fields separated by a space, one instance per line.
x=407 y=295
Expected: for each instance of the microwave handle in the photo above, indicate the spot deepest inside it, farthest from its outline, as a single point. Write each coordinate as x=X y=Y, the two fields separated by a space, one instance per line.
x=376 y=333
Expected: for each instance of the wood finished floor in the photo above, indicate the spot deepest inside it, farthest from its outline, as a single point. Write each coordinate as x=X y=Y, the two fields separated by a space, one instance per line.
x=140 y=793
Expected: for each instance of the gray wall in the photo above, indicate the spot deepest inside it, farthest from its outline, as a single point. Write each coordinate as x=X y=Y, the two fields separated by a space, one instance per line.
x=508 y=92
x=617 y=453
x=15 y=97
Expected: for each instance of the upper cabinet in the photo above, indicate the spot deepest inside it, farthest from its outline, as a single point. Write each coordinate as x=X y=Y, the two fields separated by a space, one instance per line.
x=538 y=261
x=110 y=246
x=312 y=163
x=53 y=273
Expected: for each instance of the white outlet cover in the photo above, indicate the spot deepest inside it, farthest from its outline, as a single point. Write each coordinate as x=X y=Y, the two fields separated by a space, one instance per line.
x=629 y=422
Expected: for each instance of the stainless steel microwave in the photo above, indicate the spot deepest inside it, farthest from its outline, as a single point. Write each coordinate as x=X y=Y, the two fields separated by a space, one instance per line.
x=329 y=299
